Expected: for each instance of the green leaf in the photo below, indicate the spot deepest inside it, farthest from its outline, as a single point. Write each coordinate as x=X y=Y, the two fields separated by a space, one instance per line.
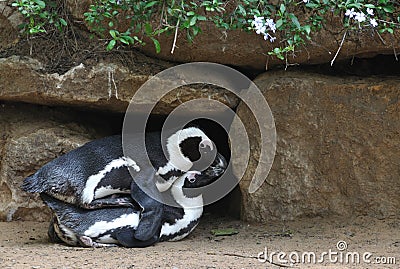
x=279 y=23
x=156 y=44
x=190 y=13
x=160 y=31
x=242 y=11
x=297 y=38
x=150 y=4
x=369 y=6
x=224 y=232
x=196 y=30
x=148 y=29
x=193 y=21
x=201 y=18
x=137 y=39
x=307 y=28
x=40 y=3
x=388 y=9
x=186 y=24
x=128 y=39
x=63 y=22
x=282 y=8
x=111 y=44
x=278 y=53
x=110 y=24
x=355 y=5
x=124 y=40
x=312 y=5
x=113 y=33
x=295 y=20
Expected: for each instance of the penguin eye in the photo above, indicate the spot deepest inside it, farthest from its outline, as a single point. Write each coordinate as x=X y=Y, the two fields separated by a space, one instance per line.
x=206 y=143
x=192 y=180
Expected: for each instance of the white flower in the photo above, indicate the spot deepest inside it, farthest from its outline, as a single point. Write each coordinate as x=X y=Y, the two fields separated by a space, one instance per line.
x=271 y=24
x=360 y=17
x=306 y=1
x=262 y=26
x=373 y=22
x=270 y=37
x=350 y=13
x=370 y=11
x=258 y=20
x=261 y=30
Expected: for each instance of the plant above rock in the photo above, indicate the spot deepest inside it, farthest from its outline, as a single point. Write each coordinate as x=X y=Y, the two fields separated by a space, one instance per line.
x=286 y=25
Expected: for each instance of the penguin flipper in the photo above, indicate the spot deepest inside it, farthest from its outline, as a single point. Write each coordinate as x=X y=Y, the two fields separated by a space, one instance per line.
x=109 y=202
x=126 y=238
x=31 y=184
x=151 y=217
x=149 y=224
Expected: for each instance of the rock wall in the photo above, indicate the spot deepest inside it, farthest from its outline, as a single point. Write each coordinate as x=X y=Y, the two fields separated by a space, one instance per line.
x=104 y=86
x=30 y=137
x=9 y=21
x=338 y=149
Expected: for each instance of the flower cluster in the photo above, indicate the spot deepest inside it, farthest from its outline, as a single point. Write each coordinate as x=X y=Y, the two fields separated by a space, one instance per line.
x=262 y=26
x=361 y=16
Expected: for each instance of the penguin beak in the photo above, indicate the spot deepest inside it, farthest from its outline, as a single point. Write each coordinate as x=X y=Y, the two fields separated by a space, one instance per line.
x=218 y=167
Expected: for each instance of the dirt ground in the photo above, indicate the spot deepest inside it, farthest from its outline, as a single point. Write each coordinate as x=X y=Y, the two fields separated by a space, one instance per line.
x=25 y=245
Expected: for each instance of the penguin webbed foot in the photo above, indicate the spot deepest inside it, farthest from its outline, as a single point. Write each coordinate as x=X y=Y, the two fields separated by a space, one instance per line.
x=86 y=241
x=53 y=237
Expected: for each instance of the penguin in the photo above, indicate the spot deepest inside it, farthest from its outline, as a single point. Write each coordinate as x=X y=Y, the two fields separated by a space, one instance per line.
x=88 y=176
x=116 y=226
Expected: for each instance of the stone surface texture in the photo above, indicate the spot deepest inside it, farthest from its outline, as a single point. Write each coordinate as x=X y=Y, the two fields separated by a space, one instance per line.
x=338 y=147
x=10 y=18
x=104 y=86
x=29 y=138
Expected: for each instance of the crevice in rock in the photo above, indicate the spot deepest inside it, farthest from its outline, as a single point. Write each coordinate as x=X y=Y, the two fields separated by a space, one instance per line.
x=380 y=65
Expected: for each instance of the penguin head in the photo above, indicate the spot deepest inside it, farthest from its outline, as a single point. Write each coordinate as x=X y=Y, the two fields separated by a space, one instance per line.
x=197 y=179
x=189 y=146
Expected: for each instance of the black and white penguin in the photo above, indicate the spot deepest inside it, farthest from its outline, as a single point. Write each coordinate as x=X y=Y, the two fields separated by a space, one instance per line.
x=105 y=227
x=89 y=175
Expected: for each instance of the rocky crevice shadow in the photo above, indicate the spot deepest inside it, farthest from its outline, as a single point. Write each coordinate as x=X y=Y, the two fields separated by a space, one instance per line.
x=33 y=136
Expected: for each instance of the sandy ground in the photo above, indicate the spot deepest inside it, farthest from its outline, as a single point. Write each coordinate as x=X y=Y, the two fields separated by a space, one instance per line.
x=25 y=245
